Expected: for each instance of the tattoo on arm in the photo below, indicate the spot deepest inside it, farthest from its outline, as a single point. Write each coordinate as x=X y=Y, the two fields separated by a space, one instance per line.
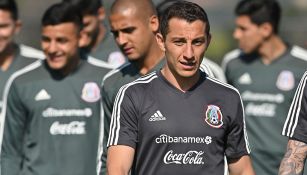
x=294 y=159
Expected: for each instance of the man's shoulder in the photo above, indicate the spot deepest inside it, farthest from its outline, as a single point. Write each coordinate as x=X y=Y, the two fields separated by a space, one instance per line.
x=224 y=88
x=27 y=74
x=230 y=56
x=140 y=85
x=121 y=75
x=299 y=53
x=30 y=52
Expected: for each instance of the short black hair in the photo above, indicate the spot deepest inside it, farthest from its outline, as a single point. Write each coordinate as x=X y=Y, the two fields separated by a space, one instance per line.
x=185 y=10
x=11 y=6
x=260 y=11
x=87 y=7
x=61 y=13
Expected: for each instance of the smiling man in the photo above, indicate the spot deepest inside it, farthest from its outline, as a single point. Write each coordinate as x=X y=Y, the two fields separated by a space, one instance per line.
x=177 y=120
x=52 y=107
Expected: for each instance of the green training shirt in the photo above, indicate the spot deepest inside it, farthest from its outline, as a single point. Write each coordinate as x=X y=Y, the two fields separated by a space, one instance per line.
x=52 y=122
x=24 y=55
x=267 y=92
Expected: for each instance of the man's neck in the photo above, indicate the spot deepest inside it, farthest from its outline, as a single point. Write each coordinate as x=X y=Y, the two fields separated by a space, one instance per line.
x=181 y=83
x=100 y=37
x=153 y=57
x=70 y=67
x=272 y=49
x=7 y=57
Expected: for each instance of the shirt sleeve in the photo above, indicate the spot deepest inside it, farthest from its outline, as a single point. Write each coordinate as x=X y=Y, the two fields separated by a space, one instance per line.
x=237 y=141
x=123 y=127
x=295 y=126
x=12 y=143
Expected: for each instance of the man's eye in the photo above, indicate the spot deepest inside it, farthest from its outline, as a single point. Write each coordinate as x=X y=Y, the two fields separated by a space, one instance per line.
x=179 y=43
x=199 y=42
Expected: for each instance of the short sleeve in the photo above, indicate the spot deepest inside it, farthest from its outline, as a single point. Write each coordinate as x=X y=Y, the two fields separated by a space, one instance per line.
x=295 y=126
x=237 y=141
x=123 y=127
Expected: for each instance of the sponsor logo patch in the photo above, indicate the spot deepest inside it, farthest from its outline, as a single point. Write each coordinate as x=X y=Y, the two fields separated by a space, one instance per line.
x=285 y=81
x=157 y=117
x=191 y=157
x=42 y=95
x=90 y=92
x=245 y=79
x=214 y=117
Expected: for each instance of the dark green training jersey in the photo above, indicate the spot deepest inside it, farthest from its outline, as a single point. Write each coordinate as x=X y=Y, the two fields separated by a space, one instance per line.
x=267 y=92
x=52 y=123
x=24 y=55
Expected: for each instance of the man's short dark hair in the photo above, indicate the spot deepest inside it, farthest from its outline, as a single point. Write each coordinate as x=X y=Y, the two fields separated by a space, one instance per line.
x=87 y=7
x=185 y=10
x=260 y=11
x=11 y=6
x=62 y=13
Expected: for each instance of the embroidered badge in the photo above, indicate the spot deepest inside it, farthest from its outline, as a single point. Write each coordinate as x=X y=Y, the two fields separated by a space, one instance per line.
x=214 y=116
x=90 y=92
x=285 y=81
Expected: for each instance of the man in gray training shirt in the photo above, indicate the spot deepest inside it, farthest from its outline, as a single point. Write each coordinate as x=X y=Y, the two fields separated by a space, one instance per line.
x=178 y=120
x=53 y=109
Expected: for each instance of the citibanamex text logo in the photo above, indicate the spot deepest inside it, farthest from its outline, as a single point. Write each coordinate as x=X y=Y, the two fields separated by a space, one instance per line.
x=190 y=158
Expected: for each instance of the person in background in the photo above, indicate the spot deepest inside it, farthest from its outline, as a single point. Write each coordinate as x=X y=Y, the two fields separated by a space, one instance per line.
x=266 y=70
x=134 y=31
x=176 y=120
x=295 y=128
x=13 y=56
x=53 y=112
x=100 y=43
x=215 y=69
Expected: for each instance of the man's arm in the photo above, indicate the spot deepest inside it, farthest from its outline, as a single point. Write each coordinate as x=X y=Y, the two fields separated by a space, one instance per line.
x=241 y=166
x=11 y=149
x=119 y=160
x=294 y=159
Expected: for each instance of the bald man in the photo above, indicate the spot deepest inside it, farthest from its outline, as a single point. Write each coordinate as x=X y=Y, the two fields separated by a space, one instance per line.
x=134 y=24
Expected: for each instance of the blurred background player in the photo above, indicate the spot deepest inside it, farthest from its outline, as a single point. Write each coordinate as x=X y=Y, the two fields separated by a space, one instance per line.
x=100 y=44
x=13 y=56
x=215 y=69
x=53 y=108
x=266 y=70
x=134 y=31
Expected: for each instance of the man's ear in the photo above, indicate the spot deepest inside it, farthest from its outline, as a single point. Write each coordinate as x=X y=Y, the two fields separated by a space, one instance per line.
x=84 y=40
x=154 y=23
x=18 y=25
x=101 y=14
x=266 y=29
x=208 y=40
x=160 y=41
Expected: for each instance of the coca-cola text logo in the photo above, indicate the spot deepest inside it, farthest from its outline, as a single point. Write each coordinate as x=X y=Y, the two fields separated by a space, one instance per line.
x=72 y=128
x=191 y=158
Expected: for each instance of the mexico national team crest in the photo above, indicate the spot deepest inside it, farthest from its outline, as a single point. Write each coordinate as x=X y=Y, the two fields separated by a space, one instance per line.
x=90 y=92
x=285 y=81
x=214 y=116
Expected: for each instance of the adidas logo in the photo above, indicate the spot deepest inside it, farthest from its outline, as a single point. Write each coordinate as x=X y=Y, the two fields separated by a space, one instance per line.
x=245 y=79
x=157 y=117
x=42 y=95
